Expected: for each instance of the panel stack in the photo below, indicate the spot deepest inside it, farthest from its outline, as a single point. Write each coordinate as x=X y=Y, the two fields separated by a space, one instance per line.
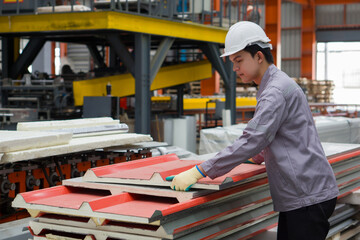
x=317 y=91
x=132 y=200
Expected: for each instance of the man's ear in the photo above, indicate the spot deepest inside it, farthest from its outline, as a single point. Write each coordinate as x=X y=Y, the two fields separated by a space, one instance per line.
x=260 y=56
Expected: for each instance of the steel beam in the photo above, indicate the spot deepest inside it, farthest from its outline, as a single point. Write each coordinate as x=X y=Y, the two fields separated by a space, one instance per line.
x=142 y=83
x=109 y=20
x=99 y=60
x=122 y=52
x=212 y=52
x=124 y=84
x=159 y=57
x=27 y=56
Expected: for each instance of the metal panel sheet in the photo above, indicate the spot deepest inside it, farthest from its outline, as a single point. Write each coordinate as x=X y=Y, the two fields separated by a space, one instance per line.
x=155 y=170
x=76 y=145
x=147 y=190
x=329 y=14
x=253 y=203
x=100 y=205
x=37 y=228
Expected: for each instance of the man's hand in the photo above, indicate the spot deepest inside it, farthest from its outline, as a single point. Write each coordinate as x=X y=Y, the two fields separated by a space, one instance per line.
x=183 y=181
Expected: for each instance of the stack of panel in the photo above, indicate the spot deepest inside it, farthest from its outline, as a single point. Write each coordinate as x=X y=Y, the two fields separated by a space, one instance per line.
x=330 y=129
x=235 y=206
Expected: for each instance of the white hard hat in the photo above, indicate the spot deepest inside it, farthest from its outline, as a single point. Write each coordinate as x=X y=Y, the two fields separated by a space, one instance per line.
x=244 y=34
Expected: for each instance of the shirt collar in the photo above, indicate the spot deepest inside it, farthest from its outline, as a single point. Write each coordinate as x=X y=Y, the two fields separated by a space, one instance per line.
x=265 y=79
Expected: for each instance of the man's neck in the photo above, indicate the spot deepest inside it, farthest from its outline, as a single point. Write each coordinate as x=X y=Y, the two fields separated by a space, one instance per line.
x=263 y=67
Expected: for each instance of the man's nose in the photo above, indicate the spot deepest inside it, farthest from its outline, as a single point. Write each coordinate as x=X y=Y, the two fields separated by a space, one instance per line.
x=235 y=68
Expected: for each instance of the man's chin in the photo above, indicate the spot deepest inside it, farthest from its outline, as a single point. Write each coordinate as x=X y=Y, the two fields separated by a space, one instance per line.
x=245 y=80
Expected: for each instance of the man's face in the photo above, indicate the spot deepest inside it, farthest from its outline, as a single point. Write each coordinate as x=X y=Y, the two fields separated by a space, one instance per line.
x=245 y=66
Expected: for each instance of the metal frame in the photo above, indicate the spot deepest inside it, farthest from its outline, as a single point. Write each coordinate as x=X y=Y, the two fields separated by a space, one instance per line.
x=212 y=52
x=27 y=56
x=121 y=51
x=142 y=83
x=99 y=60
x=159 y=57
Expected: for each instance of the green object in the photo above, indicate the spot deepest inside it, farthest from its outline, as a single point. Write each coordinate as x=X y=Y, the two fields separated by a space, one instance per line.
x=169 y=178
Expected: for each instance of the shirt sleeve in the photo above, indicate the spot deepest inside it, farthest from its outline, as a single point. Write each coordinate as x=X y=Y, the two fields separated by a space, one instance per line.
x=259 y=133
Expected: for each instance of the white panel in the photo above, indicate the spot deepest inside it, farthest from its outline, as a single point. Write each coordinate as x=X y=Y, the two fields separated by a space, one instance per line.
x=199 y=7
x=42 y=62
x=184 y=133
x=352 y=13
x=329 y=15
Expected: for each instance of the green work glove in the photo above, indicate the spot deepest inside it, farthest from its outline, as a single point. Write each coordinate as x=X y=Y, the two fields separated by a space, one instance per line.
x=183 y=181
x=250 y=161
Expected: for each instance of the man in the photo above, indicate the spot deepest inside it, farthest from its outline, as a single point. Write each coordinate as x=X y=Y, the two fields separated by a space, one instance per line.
x=282 y=133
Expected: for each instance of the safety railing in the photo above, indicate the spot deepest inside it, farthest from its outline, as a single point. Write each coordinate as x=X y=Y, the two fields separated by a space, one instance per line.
x=220 y=13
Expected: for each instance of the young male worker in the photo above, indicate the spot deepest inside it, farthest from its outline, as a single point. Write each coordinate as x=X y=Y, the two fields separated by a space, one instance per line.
x=281 y=133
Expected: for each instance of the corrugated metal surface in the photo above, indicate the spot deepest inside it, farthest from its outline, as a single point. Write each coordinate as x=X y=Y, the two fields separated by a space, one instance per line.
x=329 y=15
x=79 y=56
x=291 y=43
x=352 y=13
x=291 y=17
x=291 y=67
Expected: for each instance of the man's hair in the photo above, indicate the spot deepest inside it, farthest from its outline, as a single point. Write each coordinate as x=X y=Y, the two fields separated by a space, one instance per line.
x=253 y=49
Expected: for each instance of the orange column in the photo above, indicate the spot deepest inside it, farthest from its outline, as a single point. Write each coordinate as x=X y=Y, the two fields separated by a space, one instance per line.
x=273 y=27
x=63 y=50
x=216 y=6
x=211 y=85
x=308 y=42
x=53 y=46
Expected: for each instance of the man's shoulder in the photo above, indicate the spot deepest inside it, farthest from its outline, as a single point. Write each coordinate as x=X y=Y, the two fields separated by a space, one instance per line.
x=282 y=82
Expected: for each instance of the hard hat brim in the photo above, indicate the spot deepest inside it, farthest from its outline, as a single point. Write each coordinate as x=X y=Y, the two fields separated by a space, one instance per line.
x=229 y=53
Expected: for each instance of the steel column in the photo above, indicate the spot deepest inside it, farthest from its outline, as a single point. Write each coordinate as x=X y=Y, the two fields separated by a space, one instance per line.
x=7 y=55
x=122 y=52
x=99 y=60
x=27 y=56
x=212 y=52
x=159 y=57
x=180 y=100
x=113 y=62
x=230 y=90
x=142 y=83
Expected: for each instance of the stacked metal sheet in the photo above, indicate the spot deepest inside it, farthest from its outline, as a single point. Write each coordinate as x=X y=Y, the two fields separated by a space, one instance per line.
x=100 y=206
x=330 y=129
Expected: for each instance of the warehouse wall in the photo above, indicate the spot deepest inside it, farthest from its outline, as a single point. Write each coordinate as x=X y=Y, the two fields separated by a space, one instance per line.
x=334 y=14
x=291 y=20
x=337 y=15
